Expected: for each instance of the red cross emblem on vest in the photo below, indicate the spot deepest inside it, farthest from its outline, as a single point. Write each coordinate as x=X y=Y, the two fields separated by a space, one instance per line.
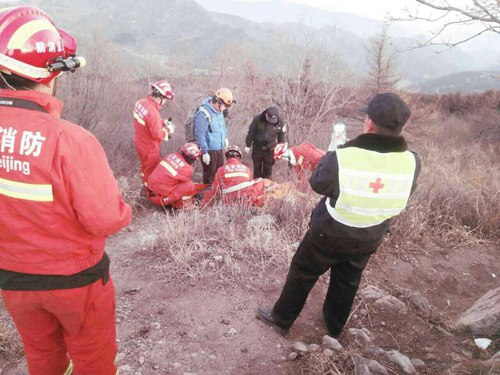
x=377 y=185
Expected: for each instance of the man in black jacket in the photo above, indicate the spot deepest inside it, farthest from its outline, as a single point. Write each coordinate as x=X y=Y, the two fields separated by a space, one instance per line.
x=364 y=184
x=265 y=132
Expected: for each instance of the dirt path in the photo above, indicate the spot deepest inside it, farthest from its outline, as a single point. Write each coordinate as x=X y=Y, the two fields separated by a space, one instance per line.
x=207 y=325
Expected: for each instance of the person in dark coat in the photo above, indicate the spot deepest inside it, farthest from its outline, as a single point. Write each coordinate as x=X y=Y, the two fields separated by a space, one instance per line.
x=378 y=174
x=265 y=132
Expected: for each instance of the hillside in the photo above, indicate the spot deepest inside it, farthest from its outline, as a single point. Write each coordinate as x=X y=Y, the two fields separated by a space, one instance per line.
x=463 y=82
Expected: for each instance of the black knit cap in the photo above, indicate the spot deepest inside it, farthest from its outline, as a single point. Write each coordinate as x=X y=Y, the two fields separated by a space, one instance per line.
x=388 y=110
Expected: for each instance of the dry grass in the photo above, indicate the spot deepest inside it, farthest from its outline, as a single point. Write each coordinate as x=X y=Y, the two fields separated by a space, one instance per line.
x=458 y=196
x=227 y=240
x=10 y=343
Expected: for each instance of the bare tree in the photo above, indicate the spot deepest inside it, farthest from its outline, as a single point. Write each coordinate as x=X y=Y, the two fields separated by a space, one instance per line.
x=382 y=63
x=485 y=13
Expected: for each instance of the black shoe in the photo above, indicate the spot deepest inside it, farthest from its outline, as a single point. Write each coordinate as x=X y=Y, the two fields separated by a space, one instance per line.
x=335 y=334
x=265 y=314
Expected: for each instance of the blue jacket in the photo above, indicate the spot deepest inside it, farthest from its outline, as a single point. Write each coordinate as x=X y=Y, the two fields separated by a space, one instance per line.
x=210 y=137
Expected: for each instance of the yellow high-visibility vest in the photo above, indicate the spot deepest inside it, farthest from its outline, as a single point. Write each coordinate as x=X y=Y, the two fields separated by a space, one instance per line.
x=373 y=186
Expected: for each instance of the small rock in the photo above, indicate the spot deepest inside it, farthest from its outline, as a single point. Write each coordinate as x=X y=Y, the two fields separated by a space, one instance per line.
x=328 y=352
x=494 y=361
x=401 y=360
x=141 y=360
x=376 y=350
x=360 y=365
x=376 y=368
x=119 y=357
x=300 y=347
x=371 y=292
x=314 y=348
x=244 y=350
x=211 y=356
x=417 y=362
x=232 y=332
x=455 y=357
x=176 y=365
x=292 y=356
x=125 y=368
x=225 y=321
x=331 y=343
x=360 y=334
x=156 y=325
x=211 y=264
x=390 y=303
x=156 y=367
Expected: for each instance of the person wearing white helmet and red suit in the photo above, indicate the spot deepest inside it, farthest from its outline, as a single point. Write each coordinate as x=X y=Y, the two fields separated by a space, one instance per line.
x=170 y=182
x=150 y=130
x=233 y=182
x=59 y=201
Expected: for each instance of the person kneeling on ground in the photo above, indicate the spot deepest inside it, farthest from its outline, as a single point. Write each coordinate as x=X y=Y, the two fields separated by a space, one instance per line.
x=233 y=182
x=364 y=184
x=170 y=182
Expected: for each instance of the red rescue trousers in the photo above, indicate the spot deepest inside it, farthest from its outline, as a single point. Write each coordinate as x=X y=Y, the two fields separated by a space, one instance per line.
x=56 y=325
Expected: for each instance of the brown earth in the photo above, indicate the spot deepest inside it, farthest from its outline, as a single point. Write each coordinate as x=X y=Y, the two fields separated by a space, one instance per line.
x=206 y=324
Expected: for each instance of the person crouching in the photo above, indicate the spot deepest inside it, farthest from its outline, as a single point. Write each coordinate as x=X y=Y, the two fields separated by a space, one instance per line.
x=170 y=182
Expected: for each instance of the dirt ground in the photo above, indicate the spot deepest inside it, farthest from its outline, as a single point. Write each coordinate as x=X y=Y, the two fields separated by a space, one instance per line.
x=207 y=325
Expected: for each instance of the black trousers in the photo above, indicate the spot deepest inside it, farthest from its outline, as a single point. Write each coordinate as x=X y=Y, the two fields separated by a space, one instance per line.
x=216 y=161
x=263 y=161
x=315 y=255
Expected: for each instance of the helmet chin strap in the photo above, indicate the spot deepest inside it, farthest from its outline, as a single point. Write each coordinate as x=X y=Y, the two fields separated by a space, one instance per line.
x=6 y=83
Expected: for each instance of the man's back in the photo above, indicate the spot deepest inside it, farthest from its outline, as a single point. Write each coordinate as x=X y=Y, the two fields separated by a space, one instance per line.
x=58 y=195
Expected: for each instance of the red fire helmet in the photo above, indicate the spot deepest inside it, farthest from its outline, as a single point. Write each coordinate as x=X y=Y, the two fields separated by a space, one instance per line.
x=164 y=88
x=191 y=150
x=29 y=41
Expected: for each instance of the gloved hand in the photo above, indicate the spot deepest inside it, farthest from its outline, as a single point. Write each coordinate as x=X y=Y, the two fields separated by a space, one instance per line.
x=247 y=149
x=170 y=126
x=205 y=158
x=226 y=143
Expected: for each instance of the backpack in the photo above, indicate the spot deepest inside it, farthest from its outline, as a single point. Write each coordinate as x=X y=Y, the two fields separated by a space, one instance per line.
x=189 y=123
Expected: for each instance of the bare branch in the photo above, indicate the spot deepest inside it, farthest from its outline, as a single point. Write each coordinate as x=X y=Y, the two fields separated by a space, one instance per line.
x=486 y=12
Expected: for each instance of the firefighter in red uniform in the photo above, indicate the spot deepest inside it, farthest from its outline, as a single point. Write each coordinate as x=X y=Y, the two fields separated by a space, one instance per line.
x=58 y=202
x=303 y=158
x=149 y=128
x=170 y=182
x=233 y=182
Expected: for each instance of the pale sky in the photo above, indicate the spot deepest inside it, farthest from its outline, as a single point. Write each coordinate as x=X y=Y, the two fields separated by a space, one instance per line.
x=376 y=9
x=381 y=9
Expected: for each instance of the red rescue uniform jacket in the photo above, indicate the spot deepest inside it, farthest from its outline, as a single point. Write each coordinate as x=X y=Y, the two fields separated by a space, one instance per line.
x=307 y=157
x=148 y=134
x=58 y=197
x=233 y=182
x=172 y=178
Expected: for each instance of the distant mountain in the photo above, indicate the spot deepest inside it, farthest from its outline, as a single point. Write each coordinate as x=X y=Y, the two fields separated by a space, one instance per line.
x=279 y=12
x=463 y=82
x=170 y=33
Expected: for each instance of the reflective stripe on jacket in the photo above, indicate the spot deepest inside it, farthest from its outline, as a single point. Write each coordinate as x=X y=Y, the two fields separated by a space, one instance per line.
x=373 y=186
x=148 y=125
x=168 y=175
